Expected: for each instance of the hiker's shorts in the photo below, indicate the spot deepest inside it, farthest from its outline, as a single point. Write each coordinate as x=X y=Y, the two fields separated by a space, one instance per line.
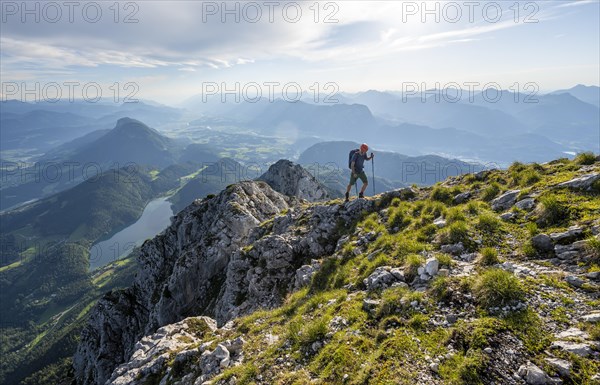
x=359 y=175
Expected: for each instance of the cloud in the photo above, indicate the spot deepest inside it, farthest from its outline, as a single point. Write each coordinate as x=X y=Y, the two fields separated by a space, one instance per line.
x=577 y=3
x=180 y=39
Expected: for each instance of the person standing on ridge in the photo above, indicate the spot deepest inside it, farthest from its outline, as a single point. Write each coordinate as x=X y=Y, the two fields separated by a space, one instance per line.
x=356 y=163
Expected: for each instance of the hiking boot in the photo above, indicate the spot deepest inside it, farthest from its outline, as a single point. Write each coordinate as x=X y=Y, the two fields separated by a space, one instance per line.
x=361 y=195
x=347 y=197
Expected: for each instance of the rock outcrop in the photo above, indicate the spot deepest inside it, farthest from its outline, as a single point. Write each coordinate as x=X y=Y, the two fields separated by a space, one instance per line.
x=221 y=257
x=292 y=179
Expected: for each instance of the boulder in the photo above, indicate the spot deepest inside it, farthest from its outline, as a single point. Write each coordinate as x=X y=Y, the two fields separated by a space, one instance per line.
x=583 y=182
x=573 y=233
x=592 y=317
x=542 y=242
x=574 y=281
x=505 y=201
x=508 y=216
x=563 y=367
x=305 y=273
x=526 y=204
x=461 y=198
x=211 y=363
x=432 y=266
x=533 y=375
x=572 y=333
x=454 y=249
x=579 y=348
x=370 y=305
x=439 y=222
x=383 y=277
x=292 y=179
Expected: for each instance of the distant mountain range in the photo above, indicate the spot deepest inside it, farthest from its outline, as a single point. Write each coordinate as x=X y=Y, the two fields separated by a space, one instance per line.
x=43 y=125
x=588 y=94
x=129 y=144
x=400 y=169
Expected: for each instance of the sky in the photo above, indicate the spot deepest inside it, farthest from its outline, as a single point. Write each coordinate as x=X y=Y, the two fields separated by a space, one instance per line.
x=168 y=51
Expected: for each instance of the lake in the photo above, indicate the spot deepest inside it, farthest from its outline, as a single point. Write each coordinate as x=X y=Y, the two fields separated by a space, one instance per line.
x=155 y=218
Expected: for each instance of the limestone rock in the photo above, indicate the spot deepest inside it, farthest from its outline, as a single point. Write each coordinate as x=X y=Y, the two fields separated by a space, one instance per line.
x=542 y=242
x=563 y=367
x=383 y=277
x=505 y=201
x=216 y=258
x=583 y=182
x=526 y=204
x=581 y=349
x=533 y=375
x=292 y=179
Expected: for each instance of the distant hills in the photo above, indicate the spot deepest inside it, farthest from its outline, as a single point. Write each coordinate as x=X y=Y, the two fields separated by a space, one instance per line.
x=43 y=125
x=130 y=144
x=588 y=94
x=130 y=141
x=402 y=169
x=301 y=119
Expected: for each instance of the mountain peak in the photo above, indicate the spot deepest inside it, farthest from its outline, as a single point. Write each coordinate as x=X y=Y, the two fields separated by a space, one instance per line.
x=292 y=179
x=126 y=122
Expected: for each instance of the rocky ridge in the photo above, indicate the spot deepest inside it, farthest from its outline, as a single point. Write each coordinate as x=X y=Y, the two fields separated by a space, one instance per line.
x=221 y=257
x=356 y=275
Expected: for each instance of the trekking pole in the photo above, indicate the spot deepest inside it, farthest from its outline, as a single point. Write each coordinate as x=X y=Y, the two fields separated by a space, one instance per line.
x=373 y=170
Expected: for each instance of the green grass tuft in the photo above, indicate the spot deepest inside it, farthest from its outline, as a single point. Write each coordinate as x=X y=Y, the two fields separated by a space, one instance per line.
x=497 y=288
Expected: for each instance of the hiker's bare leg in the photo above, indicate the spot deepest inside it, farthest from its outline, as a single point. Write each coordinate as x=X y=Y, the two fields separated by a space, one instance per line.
x=348 y=189
x=364 y=187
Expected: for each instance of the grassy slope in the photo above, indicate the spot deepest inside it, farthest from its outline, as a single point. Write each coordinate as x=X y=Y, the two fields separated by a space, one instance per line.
x=396 y=341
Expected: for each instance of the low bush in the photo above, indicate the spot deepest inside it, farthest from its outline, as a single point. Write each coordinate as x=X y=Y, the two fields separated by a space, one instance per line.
x=497 y=288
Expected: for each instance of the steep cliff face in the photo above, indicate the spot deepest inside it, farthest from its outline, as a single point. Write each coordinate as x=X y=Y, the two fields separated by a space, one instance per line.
x=221 y=257
x=182 y=272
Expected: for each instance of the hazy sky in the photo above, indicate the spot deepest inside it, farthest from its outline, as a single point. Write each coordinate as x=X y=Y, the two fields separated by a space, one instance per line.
x=170 y=49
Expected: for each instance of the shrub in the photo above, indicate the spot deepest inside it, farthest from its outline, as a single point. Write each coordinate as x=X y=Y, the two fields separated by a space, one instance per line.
x=434 y=209
x=490 y=192
x=488 y=223
x=594 y=331
x=532 y=229
x=516 y=167
x=593 y=245
x=445 y=260
x=585 y=158
x=303 y=334
x=413 y=261
x=418 y=321
x=489 y=257
x=390 y=301
x=527 y=177
x=496 y=288
x=439 y=289
x=455 y=232
x=472 y=208
x=463 y=369
x=455 y=215
x=326 y=276
x=528 y=250
x=426 y=233
x=441 y=194
x=553 y=211
x=398 y=219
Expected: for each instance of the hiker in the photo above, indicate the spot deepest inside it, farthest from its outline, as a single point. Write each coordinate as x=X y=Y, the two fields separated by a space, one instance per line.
x=357 y=159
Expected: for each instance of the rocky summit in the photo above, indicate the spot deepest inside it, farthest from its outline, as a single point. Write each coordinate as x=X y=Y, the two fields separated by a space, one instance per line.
x=292 y=179
x=487 y=278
